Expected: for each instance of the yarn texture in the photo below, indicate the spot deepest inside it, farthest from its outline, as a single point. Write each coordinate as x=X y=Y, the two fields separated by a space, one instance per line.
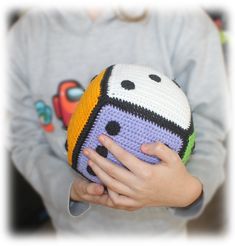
x=133 y=105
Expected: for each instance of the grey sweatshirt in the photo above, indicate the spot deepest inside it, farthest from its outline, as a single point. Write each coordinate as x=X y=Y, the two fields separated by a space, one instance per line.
x=48 y=49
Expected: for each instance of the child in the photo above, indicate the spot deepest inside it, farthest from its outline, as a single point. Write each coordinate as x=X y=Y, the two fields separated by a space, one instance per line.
x=53 y=52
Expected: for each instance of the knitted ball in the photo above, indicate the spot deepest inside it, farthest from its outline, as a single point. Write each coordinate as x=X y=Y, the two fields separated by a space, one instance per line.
x=133 y=105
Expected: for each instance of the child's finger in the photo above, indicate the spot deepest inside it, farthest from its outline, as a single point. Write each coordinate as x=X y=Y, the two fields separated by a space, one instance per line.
x=110 y=181
x=113 y=170
x=85 y=187
x=101 y=200
x=126 y=158
x=161 y=151
x=121 y=201
x=95 y=189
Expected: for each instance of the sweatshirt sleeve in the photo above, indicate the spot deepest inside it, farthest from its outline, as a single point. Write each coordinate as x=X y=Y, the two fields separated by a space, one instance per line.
x=198 y=65
x=30 y=151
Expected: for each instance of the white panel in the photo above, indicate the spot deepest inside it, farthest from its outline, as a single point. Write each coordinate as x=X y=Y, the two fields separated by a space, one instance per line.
x=165 y=97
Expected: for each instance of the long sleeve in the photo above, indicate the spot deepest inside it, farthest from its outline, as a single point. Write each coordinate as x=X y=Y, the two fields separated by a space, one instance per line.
x=198 y=64
x=31 y=152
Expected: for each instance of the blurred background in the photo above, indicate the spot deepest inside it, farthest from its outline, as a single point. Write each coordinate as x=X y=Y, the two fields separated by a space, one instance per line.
x=27 y=212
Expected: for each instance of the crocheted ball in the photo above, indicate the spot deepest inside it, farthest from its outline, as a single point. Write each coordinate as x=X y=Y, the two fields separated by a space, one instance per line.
x=133 y=105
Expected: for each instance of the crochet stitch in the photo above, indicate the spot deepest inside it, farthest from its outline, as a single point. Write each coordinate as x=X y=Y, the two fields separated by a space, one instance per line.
x=133 y=105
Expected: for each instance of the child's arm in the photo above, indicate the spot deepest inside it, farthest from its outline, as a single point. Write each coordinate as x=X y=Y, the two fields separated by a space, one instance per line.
x=199 y=64
x=50 y=176
x=61 y=188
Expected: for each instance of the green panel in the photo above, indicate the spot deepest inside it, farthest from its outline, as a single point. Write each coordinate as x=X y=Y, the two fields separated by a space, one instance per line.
x=188 y=151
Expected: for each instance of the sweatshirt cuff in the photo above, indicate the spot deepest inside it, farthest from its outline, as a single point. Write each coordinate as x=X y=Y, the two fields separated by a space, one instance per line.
x=191 y=211
x=194 y=210
x=75 y=208
x=55 y=187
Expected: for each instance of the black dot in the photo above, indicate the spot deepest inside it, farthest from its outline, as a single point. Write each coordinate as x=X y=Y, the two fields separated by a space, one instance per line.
x=128 y=85
x=113 y=128
x=155 y=77
x=101 y=150
x=90 y=171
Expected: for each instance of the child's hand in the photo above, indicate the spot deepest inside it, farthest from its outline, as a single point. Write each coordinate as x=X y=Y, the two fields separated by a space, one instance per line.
x=82 y=190
x=166 y=184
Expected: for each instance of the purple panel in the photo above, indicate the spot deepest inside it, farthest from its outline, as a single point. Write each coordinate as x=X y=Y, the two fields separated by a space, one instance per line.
x=133 y=133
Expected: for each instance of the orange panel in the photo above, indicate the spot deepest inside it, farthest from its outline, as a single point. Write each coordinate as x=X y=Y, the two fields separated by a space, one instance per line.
x=82 y=113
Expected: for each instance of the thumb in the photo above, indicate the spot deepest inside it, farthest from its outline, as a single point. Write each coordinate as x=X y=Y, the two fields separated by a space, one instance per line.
x=95 y=189
x=161 y=151
x=84 y=187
